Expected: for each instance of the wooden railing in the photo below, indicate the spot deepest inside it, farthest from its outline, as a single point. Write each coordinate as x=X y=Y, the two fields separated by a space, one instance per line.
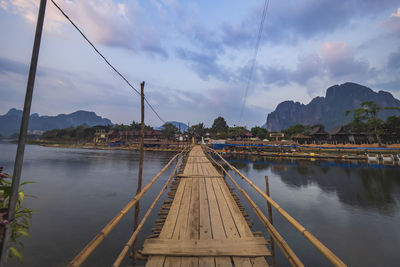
x=310 y=237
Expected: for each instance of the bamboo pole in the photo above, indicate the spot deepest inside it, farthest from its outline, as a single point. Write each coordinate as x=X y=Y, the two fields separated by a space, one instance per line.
x=140 y=174
x=91 y=246
x=19 y=157
x=285 y=248
x=313 y=240
x=132 y=239
x=274 y=263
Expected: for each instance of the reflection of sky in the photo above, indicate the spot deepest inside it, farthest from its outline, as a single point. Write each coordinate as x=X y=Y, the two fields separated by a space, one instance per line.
x=353 y=208
x=77 y=192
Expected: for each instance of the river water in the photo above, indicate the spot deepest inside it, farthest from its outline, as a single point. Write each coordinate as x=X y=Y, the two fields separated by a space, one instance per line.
x=353 y=208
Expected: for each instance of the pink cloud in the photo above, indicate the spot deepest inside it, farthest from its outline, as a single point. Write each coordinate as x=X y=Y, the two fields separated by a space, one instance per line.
x=104 y=21
x=393 y=23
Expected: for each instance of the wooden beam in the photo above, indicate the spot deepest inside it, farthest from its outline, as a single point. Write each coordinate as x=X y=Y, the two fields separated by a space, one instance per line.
x=246 y=247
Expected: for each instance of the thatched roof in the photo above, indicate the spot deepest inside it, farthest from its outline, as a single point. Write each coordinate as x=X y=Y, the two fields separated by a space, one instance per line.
x=318 y=131
x=300 y=136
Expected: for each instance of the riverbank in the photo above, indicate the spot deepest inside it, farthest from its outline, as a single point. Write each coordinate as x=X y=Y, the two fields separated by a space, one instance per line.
x=273 y=150
x=89 y=145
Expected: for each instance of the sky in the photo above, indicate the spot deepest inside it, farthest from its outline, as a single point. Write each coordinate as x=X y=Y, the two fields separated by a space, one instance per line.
x=195 y=56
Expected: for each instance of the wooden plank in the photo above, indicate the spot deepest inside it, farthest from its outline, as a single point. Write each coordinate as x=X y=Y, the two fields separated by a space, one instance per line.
x=218 y=231
x=181 y=222
x=192 y=229
x=205 y=223
x=229 y=225
x=169 y=225
x=237 y=215
x=215 y=247
x=170 y=222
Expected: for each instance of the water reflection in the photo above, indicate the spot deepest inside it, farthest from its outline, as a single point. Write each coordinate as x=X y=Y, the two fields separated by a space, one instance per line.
x=357 y=184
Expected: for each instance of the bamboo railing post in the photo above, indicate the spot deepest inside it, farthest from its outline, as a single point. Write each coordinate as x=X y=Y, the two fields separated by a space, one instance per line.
x=139 y=185
x=133 y=238
x=92 y=245
x=310 y=237
x=274 y=263
x=19 y=157
x=285 y=248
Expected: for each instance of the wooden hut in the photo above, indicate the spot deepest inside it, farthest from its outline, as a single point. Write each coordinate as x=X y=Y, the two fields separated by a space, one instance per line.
x=301 y=138
x=318 y=135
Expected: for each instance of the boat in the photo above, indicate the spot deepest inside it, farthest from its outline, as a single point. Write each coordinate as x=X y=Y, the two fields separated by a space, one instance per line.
x=372 y=157
x=387 y=158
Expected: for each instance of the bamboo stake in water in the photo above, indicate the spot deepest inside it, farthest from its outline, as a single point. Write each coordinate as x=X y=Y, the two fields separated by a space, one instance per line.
x=270 y=219
x=313 y=240
x=132 y=239
x=285 y=248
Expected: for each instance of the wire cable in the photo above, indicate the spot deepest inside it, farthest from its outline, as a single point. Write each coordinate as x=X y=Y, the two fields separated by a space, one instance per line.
x=105 y=59
x=253 y=62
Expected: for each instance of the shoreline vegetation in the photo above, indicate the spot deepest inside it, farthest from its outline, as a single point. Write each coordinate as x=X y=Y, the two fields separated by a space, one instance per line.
x=271 y=149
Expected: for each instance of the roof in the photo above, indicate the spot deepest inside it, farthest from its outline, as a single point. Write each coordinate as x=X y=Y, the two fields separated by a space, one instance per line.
x=338 y=130
x=318 y=130
x=301 y=136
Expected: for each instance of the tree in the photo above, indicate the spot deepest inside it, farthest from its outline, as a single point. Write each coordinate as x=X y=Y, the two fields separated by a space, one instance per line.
x=368 y=115
x=293 y=130
x=392 y=127
x=169 y=130
x=259 y=132
x=219 y=125
x=237 y=132
x=197 y=129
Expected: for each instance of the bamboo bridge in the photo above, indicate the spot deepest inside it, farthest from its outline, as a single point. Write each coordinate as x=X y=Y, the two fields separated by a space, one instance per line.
x=203 y=223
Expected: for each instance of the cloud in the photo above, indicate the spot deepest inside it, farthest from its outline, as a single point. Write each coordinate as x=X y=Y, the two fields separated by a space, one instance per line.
x=8 y=65
x=113 y=24
x=393 y=23
x=394 y=60
x=308 y=67
x=289 y=22
x=203 y=64
x=340 y=60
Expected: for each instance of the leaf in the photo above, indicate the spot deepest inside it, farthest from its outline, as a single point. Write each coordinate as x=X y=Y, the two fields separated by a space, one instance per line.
x=16 y=253
x=21 y=196
x=28 y=182
x=24 y=233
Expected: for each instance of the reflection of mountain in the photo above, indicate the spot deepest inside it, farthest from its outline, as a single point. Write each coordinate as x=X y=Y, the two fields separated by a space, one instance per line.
x=363 y=187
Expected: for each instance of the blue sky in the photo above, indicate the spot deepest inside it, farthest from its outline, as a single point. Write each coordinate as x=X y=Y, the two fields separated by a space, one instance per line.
x=195 y=56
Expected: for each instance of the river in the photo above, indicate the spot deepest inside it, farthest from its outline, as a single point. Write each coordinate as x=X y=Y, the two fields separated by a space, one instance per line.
x=352 y=207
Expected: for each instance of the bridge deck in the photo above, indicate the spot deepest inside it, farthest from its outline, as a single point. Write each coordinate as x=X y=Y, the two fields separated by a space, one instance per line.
x=204 y=226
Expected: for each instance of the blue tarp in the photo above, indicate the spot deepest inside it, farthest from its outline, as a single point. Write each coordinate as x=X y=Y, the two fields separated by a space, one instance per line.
x=226 y=146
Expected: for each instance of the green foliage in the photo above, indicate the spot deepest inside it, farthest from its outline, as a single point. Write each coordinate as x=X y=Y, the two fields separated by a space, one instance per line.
x=219 y=125
x=134 y=126
x=169 y=130
x=392 y=127
x=365 y=118
x=237 y=132
x=197 y=129
x=259 y=132
x=293 y=130
x=20 y=226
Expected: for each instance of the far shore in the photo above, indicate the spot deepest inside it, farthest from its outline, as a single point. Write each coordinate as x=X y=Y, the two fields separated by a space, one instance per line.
x=272 y=149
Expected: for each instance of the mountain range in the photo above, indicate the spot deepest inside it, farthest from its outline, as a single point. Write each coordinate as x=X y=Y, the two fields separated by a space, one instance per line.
x=10 y=122
x=330 y=110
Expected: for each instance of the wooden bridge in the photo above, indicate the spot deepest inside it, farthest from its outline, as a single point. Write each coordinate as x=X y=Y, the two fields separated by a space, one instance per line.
x=203 y=224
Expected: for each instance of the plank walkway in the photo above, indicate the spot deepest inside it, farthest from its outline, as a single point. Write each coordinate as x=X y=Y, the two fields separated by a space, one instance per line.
x=204 y=226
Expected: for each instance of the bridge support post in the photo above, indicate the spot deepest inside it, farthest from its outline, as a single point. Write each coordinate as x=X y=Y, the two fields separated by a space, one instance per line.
x=139 y=186
x=19 y=158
